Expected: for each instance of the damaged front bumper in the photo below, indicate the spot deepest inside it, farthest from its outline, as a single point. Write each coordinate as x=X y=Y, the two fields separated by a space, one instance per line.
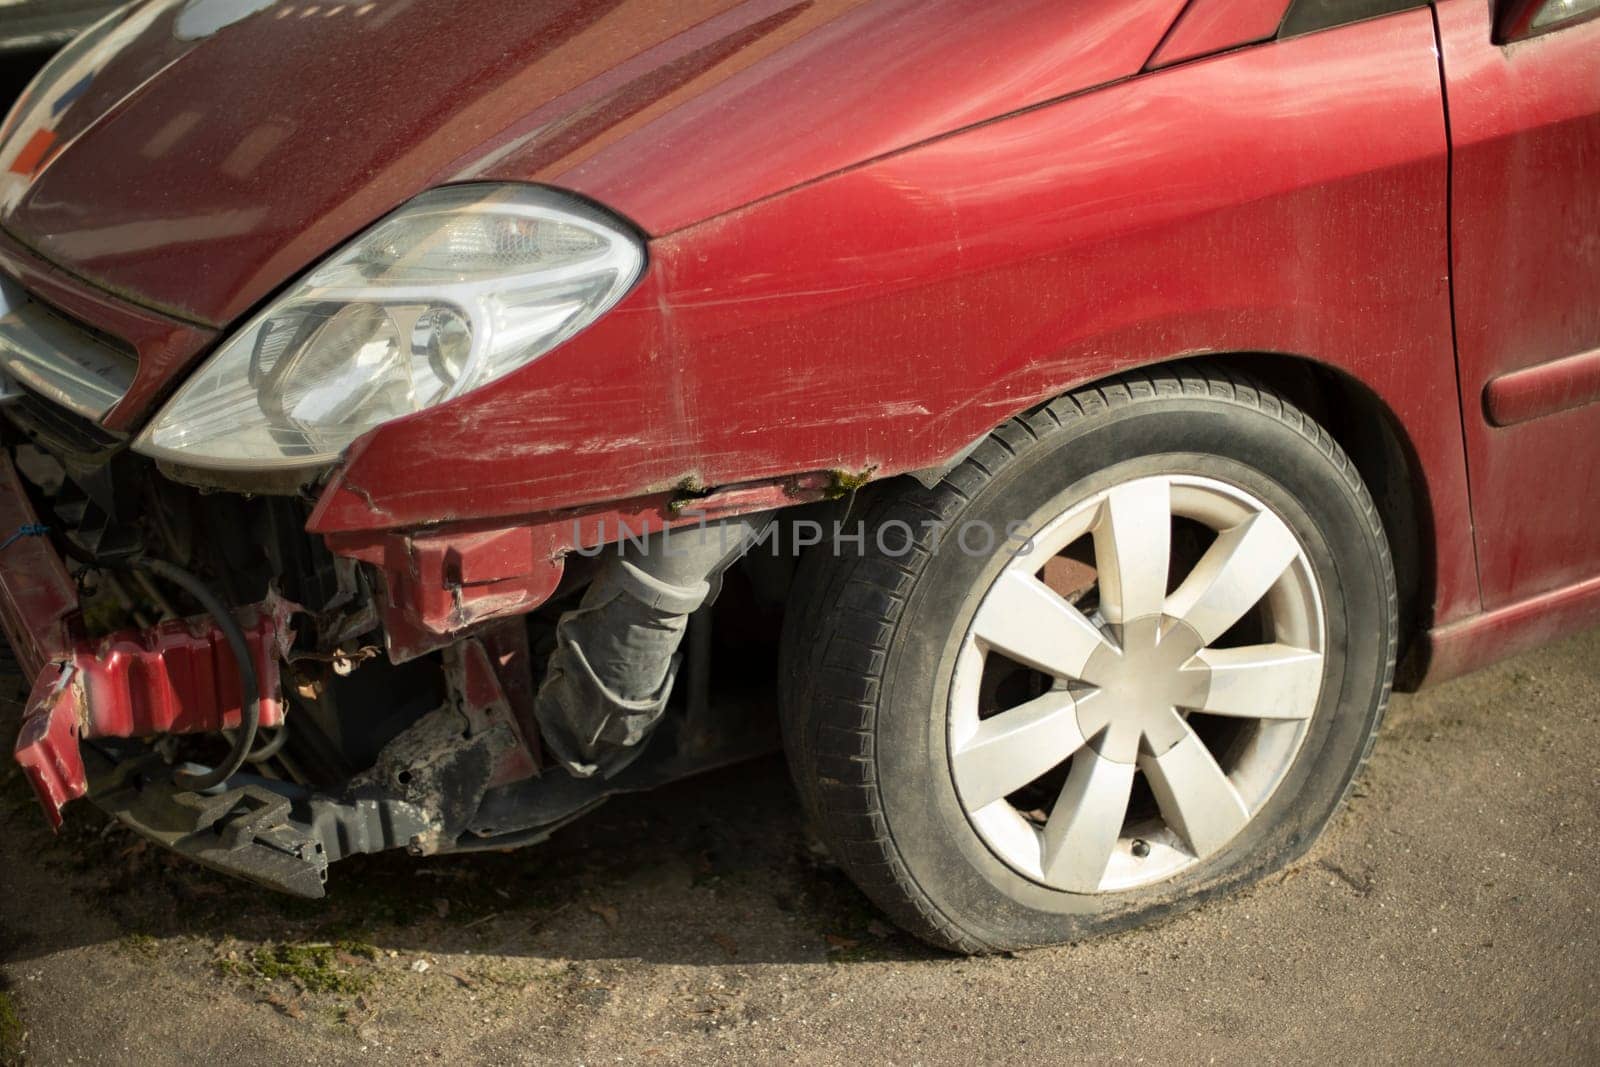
x=94 y=702
x=178 y=677
x=401 y=666
x=440 y=745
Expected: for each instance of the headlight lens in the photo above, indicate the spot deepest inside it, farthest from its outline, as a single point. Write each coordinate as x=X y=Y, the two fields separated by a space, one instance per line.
x=459 y=287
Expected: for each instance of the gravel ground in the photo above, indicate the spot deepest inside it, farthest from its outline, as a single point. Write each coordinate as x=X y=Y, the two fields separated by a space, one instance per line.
x=1449 y=913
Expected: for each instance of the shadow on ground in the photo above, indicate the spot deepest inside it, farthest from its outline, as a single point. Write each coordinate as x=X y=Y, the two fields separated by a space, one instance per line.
x=701 y=871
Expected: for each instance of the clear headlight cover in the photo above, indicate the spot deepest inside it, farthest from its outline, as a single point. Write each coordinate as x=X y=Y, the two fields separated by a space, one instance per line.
x=459 y=287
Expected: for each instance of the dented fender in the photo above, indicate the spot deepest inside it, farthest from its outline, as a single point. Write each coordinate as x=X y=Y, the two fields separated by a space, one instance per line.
x=441 y=581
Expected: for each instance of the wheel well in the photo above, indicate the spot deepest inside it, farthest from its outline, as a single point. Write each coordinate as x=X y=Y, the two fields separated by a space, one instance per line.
x=1373 y=438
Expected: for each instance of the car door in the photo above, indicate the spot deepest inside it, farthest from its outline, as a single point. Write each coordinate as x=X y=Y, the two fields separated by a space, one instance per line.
x=1522 y=91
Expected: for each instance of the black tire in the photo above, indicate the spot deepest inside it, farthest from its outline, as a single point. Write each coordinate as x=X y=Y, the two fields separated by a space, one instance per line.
x=870 y=635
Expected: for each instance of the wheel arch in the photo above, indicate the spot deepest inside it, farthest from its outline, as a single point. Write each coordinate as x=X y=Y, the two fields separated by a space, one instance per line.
x=1371 y=434
x=866 y=658
x=1377 y=442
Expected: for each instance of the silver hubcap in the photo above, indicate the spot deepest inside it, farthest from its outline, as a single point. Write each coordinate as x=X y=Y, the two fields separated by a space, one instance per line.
x=1112 y=725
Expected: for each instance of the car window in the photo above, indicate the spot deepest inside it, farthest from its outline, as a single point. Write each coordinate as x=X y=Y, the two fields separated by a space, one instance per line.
x=1555 y=12
x=1308 y=16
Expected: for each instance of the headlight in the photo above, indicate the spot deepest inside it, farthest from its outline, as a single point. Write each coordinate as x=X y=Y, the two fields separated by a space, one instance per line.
x=459 y=287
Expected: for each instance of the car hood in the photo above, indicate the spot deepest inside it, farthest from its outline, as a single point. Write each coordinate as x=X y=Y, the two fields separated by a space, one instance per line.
x=193 y=155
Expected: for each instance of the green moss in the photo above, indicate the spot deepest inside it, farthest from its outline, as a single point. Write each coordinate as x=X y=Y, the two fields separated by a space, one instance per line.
x=688 y=491
x=316 y=968
x=10 y=1032
x=843 y=483
x=142 y=946
x=352 y=947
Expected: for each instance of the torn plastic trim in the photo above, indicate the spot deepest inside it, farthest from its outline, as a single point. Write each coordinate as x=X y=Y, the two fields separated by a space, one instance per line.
x=47 y=745
x=437 y=583
x=178 y=677
x=276 y=834
x=425 y=788
x=447 y=761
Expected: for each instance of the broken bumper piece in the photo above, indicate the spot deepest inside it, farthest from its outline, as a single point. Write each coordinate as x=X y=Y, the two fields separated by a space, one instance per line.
x=276 y=834
x=178 y=677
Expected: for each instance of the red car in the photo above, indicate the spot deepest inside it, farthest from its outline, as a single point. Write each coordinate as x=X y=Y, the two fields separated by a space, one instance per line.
x=1108 y=399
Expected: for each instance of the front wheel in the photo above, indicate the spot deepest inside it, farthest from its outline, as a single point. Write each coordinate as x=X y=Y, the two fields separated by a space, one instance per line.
x=1131 y=652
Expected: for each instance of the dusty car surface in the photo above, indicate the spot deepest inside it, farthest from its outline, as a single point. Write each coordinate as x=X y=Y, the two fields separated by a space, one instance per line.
x=410 y=446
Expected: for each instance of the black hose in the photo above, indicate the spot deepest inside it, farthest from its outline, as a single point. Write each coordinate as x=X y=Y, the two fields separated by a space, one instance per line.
x=279 y=738
x=249 y=686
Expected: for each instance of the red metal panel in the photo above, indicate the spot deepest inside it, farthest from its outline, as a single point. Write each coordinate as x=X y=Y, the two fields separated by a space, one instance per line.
x=179 y=677
x=1471 y=644
x=230 y=176
x=37 y=596
x=869 y=80
x=442 y=580
x=1547 y=389
x=1525 y=125
x=512 y=657
x=476 y=684
x=47 y=746
x=1288 y=199
x=1208 y=26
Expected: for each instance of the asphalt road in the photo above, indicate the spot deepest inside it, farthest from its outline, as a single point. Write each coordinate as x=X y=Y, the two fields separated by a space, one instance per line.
x=1448 y=915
